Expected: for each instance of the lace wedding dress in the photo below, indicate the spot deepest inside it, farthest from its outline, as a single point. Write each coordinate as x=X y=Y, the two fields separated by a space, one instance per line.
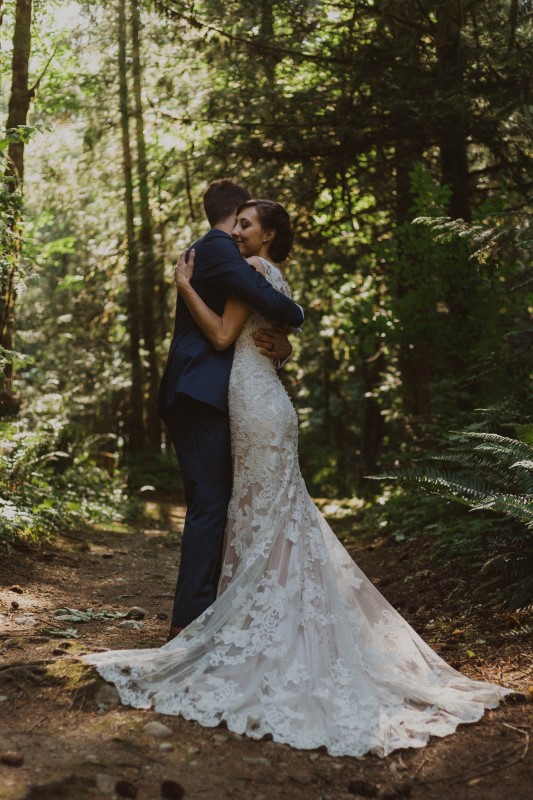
x=299 y=644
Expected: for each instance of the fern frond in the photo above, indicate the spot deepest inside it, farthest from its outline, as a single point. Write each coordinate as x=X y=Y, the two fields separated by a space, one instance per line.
x=503 y=444
x=525 y=463
x=519 y=507
x=442 y=482
x=465 y=458
x=494 y=471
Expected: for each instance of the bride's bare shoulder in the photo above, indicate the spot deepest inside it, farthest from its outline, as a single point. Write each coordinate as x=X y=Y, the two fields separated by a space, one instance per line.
x=256 y=262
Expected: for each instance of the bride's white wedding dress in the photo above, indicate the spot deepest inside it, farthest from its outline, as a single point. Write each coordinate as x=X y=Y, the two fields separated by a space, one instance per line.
x=299 y=644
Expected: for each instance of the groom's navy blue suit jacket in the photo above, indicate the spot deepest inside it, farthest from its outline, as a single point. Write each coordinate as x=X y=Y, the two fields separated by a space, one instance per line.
x=194 y=367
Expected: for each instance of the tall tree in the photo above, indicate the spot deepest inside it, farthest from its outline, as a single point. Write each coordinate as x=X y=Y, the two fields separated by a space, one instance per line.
x=414 y=353
x=453 y=128
x=149 y=283
x=19 y=103
x=136 y=427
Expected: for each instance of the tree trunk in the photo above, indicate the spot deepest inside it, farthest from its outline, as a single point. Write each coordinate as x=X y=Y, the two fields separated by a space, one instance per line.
x=266 y=34
x=453 y=124
x=265 y=67
x=373 y=425
x=414 y=356
x=513 y=22
x=463 y=283
x=136 y=426
x=19 y=103
x=149 y=277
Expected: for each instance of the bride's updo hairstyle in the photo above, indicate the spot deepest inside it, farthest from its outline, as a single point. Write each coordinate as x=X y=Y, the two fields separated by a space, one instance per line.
x=273 y=217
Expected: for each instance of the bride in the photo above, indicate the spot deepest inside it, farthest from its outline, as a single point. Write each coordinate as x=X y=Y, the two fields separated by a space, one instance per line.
x=299 y=644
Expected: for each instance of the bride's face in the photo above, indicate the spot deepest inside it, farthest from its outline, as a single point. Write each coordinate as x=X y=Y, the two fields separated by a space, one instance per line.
x=250 y=237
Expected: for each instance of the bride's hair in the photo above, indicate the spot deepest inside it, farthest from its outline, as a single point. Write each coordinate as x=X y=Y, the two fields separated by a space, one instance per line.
x=273 y=217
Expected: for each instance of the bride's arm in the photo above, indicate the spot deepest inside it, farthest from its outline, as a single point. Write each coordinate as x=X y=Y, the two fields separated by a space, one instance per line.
x=220 y=330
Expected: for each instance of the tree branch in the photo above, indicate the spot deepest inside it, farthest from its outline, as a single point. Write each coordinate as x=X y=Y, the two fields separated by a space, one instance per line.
x=252 y=44
x=37 y=83
x=236 y=123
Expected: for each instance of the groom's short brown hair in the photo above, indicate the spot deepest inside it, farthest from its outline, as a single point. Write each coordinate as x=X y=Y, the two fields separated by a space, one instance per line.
x=222 y=199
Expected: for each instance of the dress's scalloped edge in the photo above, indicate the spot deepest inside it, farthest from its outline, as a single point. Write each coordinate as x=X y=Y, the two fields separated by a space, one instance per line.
x=240 y=725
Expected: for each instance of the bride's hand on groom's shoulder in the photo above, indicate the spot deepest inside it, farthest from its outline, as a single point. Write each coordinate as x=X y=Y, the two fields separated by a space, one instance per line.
x=184 y=269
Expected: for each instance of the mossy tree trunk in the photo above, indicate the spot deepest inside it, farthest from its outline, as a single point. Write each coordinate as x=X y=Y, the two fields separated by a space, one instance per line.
x=149 y=267
x=136 y=427
x=454 y=119
x=17 y=116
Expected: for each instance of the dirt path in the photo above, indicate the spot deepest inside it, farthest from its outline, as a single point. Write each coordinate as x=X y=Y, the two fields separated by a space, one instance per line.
x=76 y=742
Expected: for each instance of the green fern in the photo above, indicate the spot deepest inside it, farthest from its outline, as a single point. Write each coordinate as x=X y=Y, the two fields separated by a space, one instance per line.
x=518 y=476
x=500 y=231
x=494 y=473
x=465 y=488
x=519 y=507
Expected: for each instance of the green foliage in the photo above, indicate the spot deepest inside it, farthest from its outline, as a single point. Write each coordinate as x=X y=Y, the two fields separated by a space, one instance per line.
x=489 y=472
x=49 y=481
x=404 y=335
x=10 y=205
x=498 y=233
x=12 y=237
x=154 y=472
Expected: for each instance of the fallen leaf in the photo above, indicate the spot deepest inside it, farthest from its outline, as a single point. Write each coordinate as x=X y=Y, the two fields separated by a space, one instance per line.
x=62 y=633
x=77 y=615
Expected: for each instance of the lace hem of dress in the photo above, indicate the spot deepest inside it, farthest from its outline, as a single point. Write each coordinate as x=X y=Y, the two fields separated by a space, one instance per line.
x=395 y=728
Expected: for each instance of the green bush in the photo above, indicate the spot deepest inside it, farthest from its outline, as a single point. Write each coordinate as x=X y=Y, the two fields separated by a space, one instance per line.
x=49 y=481
x=487 y=472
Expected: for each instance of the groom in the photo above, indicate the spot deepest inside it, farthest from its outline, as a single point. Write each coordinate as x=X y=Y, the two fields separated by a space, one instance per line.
x=193 y=397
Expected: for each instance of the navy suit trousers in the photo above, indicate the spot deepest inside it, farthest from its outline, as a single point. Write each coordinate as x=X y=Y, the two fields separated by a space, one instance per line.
x=201 y=437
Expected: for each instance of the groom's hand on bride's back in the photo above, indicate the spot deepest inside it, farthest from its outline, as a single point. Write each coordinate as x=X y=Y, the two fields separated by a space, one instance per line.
x=273 y=344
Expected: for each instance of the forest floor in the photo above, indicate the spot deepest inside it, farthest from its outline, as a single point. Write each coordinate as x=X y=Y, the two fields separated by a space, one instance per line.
x=66 y=737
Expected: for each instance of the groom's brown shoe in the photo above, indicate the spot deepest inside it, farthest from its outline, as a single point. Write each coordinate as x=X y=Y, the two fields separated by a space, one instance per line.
x=173 y=632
